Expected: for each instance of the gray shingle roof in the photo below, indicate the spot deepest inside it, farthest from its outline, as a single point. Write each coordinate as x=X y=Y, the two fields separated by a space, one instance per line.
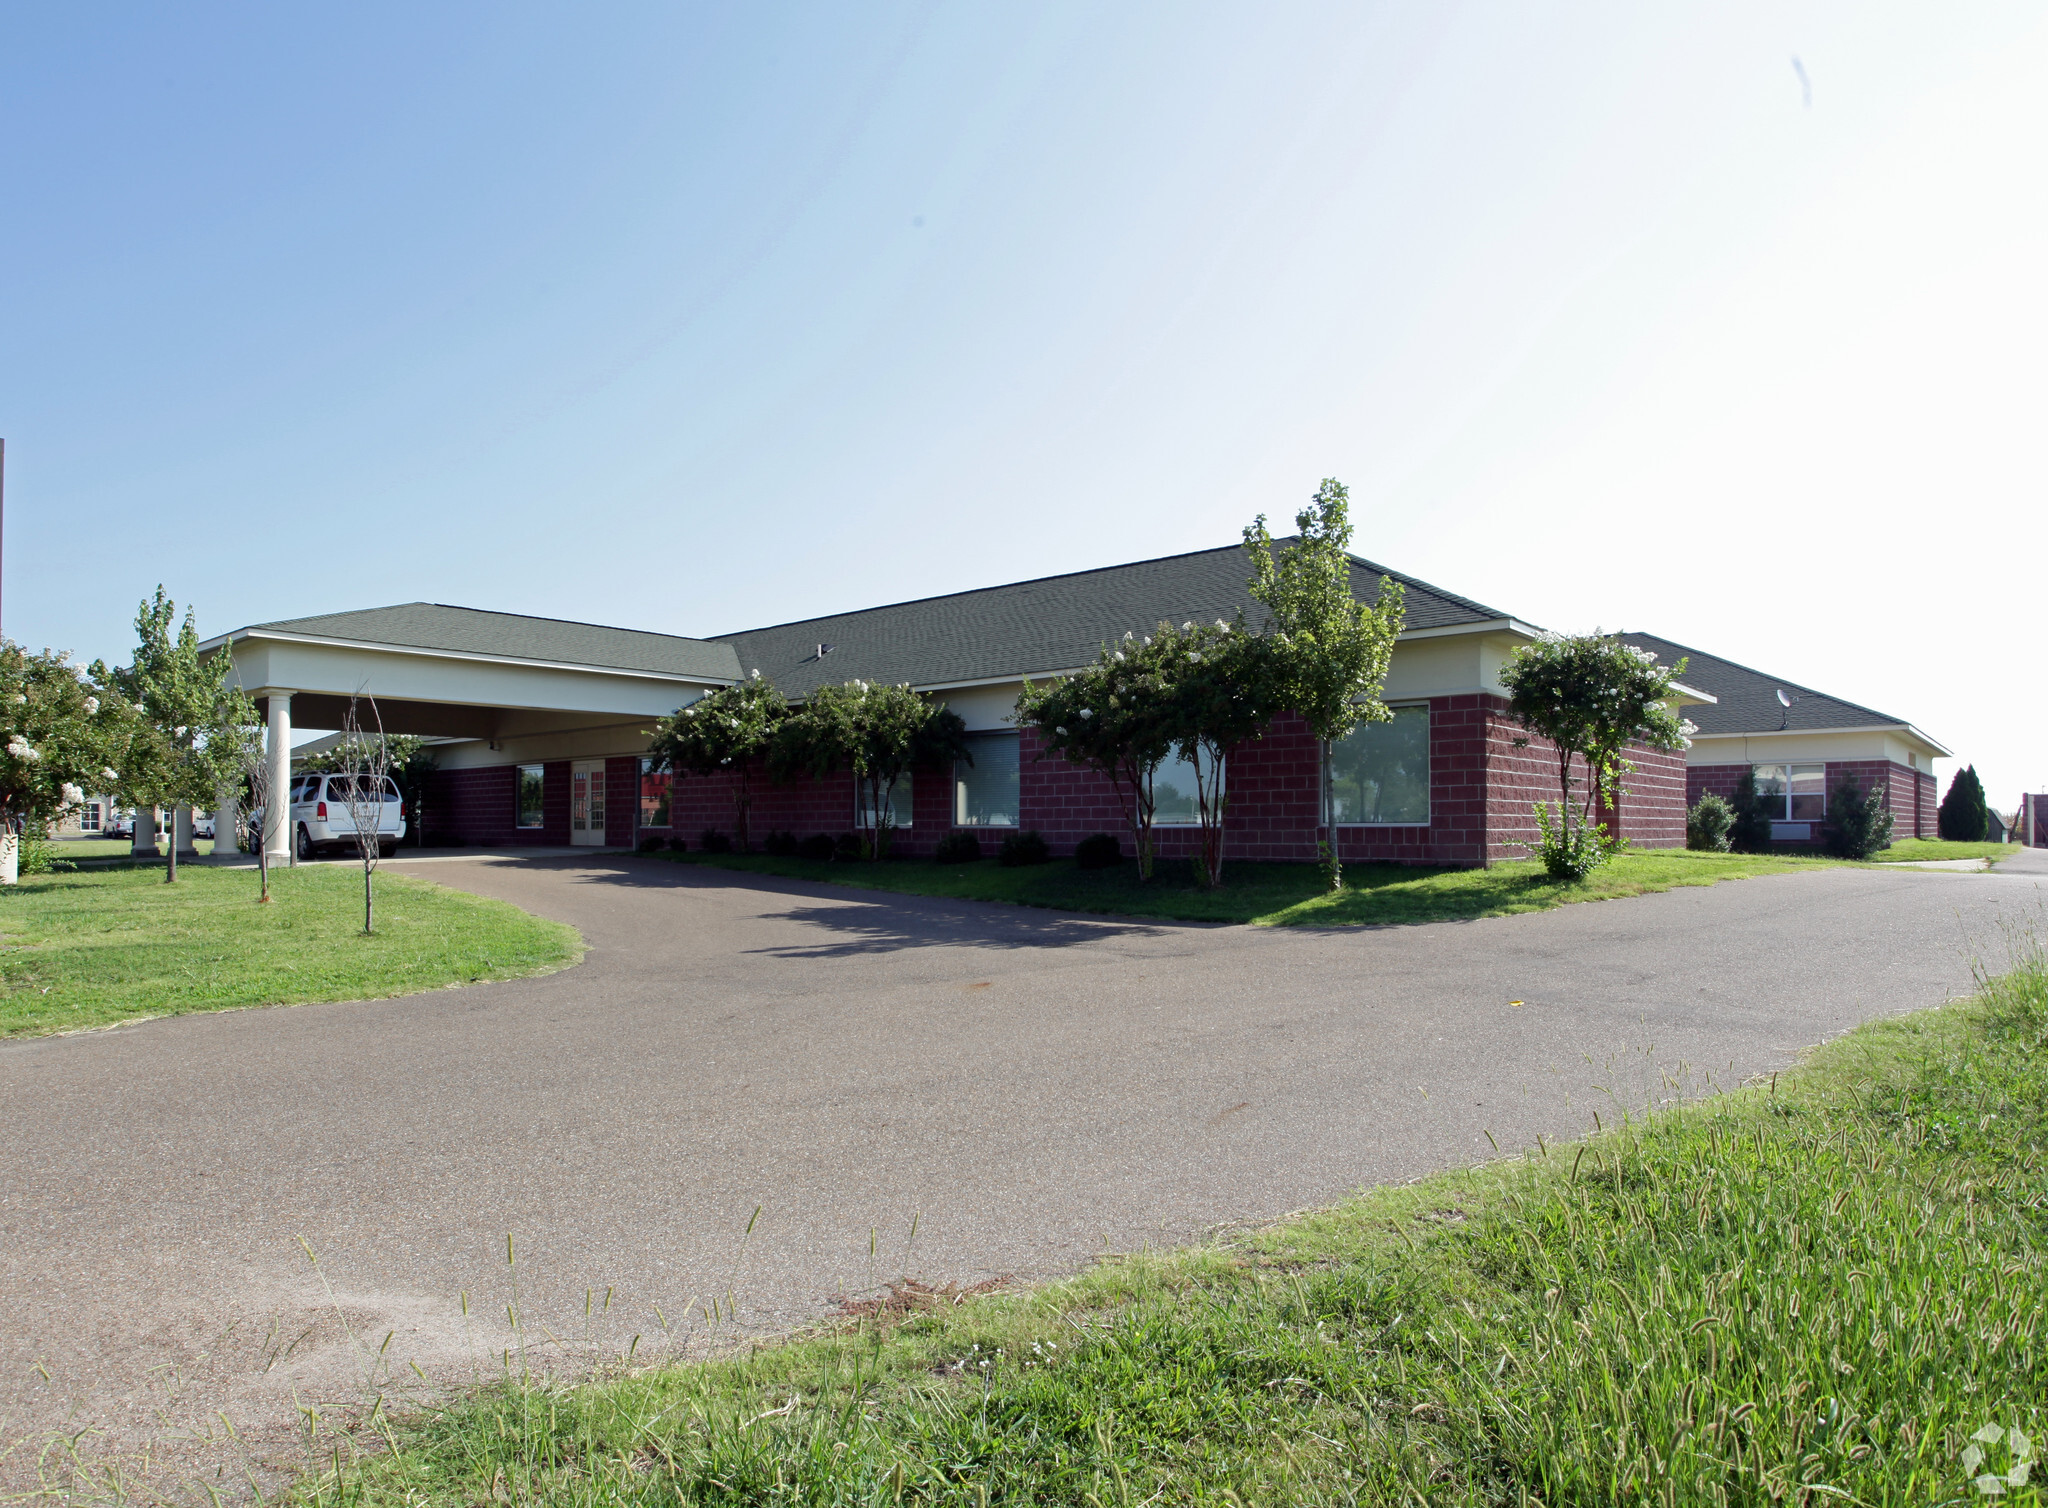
x=1052 y=623
x=1747 y=700
x=469 y=630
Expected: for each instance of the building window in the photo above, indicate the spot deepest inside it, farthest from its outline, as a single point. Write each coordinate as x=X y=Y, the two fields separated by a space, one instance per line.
x=1793 y=792
x=1377 y=775
x=899 y=804
x=1175 y=801
x=656 y=787
x=985 y=792
x=532 y=787
x=89 y=818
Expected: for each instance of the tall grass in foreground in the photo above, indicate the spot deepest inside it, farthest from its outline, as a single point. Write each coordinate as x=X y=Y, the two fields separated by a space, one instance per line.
x=1825 y=1290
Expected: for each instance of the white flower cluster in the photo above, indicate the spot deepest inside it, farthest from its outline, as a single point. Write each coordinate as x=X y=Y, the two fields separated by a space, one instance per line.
x=19 y=748
x=92 y=706
x=72 y=795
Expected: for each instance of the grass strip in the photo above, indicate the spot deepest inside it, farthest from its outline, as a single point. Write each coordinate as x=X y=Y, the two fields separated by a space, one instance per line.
x=1276 y=895
x=1825 y=1290
x=1913 y=850
x=93 y=948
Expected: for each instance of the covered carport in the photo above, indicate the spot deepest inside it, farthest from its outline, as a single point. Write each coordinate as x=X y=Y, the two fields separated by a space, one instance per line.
x=509 y=688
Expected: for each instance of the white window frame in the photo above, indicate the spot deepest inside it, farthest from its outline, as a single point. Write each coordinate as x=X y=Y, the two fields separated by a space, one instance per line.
x=960 y=819
x=518 y=780
x=1328 y=799
x=1785 y=771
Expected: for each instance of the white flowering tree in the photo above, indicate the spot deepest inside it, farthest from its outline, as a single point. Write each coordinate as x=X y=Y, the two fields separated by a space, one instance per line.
x=1113 y=718
x=725 y=732
x=191 y=724
x=878 y=732
x=1591 y=696
x=61 y=731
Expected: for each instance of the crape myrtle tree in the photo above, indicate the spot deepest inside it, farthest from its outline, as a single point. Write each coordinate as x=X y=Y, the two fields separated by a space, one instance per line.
x=1223 y=689
x=1328 y=650
x=190 y=721
x=62 y=729
x=723 y=731
x=1965 y=816
x=1112 y=717
x=878 y=732
x=1592 y=696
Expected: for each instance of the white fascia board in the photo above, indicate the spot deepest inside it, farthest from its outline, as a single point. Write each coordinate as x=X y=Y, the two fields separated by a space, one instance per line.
x=1487 y=626
x=1691 y=694
x=517 y=662
x=1903 y=730
x=999 y=680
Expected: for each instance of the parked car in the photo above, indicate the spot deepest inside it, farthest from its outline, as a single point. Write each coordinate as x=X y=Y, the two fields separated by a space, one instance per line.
x=202 y=827
x=322 y=819
x=119 y=828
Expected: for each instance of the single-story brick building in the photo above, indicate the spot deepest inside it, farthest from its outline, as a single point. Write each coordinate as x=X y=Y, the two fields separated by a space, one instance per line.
x=1801 y=743
x=549 y=719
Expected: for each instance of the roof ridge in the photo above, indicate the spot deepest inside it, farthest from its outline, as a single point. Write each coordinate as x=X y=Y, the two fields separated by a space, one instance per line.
x=1002 y=586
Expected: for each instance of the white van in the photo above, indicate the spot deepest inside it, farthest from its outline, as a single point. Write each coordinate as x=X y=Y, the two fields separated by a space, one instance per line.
x=321 y=819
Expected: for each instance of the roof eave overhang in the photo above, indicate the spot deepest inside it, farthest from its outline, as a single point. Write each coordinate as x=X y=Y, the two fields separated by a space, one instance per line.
x=1904 y=730
x=469 y=656
x=1513 y=626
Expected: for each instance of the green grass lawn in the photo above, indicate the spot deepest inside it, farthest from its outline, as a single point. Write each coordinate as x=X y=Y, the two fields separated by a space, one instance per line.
x=1276 y=895
x=108 y=848
x=98 y=946
x=1825 y=1290
x=1941 y=848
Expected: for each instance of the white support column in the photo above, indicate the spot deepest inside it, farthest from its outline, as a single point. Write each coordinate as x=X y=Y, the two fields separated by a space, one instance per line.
x=179 y=831
x=145 y=832
x=277 y=808
x=227 y=815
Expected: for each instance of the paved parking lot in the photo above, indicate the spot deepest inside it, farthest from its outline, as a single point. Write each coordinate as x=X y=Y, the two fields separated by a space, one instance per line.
x=1028 y=1087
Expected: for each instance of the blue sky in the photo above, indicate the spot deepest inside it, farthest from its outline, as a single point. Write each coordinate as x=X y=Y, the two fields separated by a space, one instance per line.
x=695 y=320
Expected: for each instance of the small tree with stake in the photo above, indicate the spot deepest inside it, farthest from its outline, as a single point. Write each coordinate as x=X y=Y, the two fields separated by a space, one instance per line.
x=1329 y=650
x=878 y=732
x=1592 y=696
x=366 y=758
x=723 y=732
x=253 y=780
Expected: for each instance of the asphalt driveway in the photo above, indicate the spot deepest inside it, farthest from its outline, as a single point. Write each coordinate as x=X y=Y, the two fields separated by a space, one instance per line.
x=1028 y=1087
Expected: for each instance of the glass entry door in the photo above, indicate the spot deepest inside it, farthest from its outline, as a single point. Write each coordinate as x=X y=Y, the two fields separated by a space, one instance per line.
x=586 y=803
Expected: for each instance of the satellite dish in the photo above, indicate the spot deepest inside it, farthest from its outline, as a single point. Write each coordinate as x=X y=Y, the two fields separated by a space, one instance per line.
x=1783 y=700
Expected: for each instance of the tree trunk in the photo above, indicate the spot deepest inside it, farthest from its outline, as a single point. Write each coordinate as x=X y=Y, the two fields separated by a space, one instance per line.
x=171 y=865
x=367 y=915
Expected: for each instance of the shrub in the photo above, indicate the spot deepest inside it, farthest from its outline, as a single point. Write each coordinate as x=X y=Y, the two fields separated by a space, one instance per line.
x=1571 y=853
x=678 y=844
x=782 y=845
x=849 y=847
x=714 y=841
x=1708 y=824
x=1099 y=851
x=958 y=848
x=1023 y=848
x=817 y=848
x=1751 y=832
x=1858 y=825
x=653 y=842
x=1964 y=816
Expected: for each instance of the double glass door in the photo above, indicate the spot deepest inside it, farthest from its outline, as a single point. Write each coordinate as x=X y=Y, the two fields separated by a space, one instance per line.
x=586 y=803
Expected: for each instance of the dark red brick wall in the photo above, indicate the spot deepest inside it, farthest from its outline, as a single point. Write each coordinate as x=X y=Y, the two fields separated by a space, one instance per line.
x=621 y=800
x=1653 y=794
x=1482 y=789
x=1910 y=791
x=480 y=806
